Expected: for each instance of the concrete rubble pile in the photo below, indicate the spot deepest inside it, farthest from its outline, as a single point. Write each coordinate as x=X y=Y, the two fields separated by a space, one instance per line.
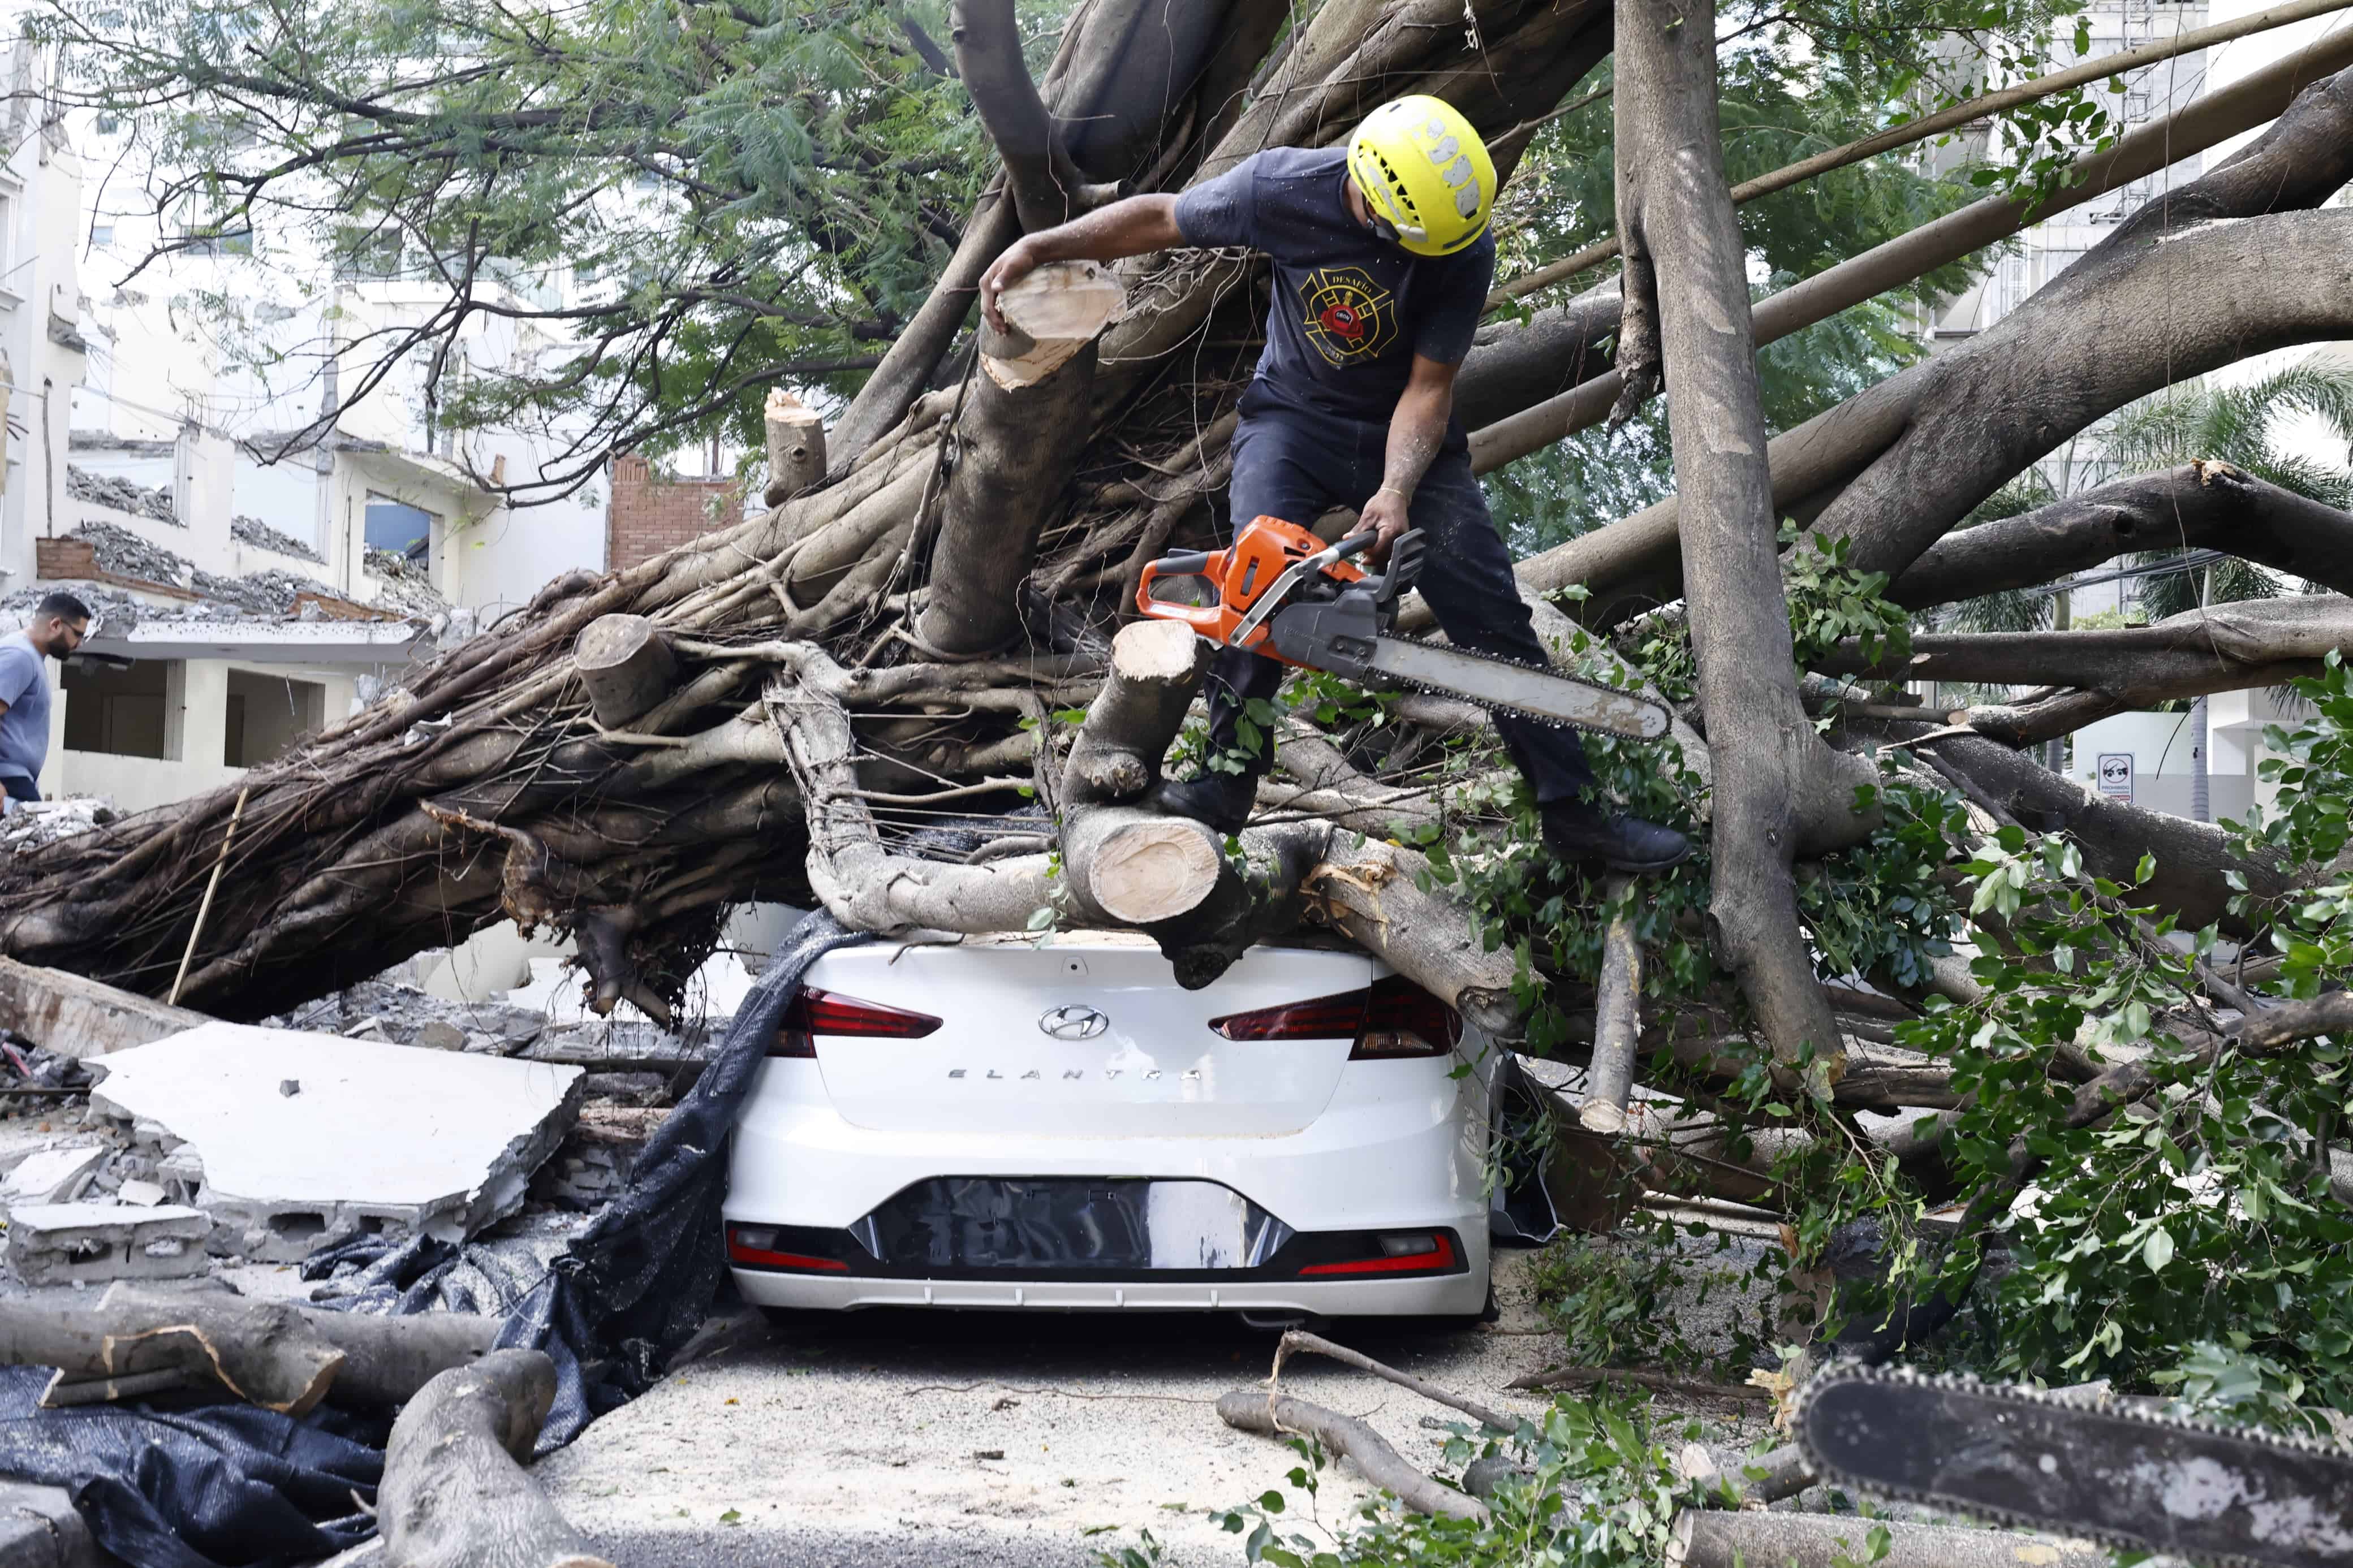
x=31 y=824
x=123 y=495
x=406 y=587
x=384 y=1111
x=255 y=532
x=120 y=551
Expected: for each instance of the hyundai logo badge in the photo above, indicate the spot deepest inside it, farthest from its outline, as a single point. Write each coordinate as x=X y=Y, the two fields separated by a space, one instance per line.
x=1072 y=1023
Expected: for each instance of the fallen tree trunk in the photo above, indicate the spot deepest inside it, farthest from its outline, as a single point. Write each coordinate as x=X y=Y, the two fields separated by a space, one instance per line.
x=1569 y=343
x=2216 y=647
x=455 y=1493
x=1705 y=1538
x=1252 y=1410
x=2017 y=391
x=276 y=1355
x=2198 y=506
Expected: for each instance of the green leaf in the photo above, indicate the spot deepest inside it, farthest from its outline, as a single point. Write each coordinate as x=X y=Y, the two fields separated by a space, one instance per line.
x=2158 y=1250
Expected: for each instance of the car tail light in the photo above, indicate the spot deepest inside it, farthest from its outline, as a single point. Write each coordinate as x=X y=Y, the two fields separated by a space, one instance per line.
x=1409 y=1252
x=812 y=1012
x=1388 y=1019
x=757 y=1245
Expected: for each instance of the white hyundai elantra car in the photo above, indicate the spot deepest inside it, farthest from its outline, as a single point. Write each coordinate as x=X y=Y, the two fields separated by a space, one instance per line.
x=1009 y=1124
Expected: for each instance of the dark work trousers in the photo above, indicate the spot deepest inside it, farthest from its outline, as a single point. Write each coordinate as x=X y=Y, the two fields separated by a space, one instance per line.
x=1298 y=464
x=19 y=787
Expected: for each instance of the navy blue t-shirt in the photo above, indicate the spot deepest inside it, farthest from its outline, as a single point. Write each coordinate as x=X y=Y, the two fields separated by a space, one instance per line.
x=1350 y=308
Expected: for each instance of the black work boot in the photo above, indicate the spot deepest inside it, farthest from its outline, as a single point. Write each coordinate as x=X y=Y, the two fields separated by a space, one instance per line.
x=1577 y=830
x=1221 y=800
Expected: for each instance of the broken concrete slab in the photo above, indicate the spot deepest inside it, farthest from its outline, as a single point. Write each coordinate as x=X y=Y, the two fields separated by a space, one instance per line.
x=77 y=1017
x=87 y=1244
x=52 y=1175
x=378 y=1138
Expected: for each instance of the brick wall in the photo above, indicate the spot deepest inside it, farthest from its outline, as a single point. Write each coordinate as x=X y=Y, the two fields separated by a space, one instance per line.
x=649 y=514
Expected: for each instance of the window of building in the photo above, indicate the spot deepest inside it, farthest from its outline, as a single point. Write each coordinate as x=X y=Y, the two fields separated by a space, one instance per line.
x=268 y=715
x=101 y=236
x=231 y=242
x=404 y=530
x=120 y=713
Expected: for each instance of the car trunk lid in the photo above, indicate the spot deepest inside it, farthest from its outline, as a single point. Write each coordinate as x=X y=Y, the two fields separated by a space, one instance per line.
x=1083 y=1037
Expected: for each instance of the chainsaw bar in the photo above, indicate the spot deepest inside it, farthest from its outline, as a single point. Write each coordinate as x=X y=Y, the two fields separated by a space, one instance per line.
x=1507 y=685
x=2189 y=1489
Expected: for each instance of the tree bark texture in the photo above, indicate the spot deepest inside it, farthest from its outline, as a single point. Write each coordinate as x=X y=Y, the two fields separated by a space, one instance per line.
x=455 y=1493
x=1779 y=789
x=275 y=1355
x=2204 y=505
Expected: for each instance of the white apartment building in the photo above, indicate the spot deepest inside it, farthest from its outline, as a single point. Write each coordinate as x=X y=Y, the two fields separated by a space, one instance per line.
x=245 y=594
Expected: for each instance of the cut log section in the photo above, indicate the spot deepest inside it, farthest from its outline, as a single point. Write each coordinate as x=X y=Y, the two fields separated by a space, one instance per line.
x=1749 y=1538
x=1049 y=315
x=795 y=445
x=1617 y=1021
x=1019 y=439
x=1250 y=1410
x=626 y=663
x=276 y=1355
x=455 y=1494
x=1767 y=1478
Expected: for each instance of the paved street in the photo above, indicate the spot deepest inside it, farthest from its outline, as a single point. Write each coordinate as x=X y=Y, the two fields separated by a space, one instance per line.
x=909 y=1437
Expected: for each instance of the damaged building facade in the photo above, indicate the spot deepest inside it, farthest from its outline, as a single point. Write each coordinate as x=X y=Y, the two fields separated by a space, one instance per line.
x=249 y=590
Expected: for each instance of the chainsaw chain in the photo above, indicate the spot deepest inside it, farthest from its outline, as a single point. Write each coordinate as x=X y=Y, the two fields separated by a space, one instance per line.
x=2017 y=1394
x=1549 y=720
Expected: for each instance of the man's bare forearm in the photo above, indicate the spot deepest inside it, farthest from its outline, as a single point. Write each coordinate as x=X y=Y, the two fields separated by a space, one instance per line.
x=1417 y=430
x=1133 y=225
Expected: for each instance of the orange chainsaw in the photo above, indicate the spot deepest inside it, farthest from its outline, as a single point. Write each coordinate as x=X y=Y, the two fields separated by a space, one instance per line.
x=1279 y=592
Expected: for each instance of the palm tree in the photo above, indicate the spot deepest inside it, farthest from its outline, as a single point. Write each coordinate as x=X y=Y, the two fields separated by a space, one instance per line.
x=2240 y=426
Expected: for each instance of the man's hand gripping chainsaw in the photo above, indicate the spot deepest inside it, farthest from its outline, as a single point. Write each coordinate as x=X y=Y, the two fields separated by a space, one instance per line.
x=1279 y=592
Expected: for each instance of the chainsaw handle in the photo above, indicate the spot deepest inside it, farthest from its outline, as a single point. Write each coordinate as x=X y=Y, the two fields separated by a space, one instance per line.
x=1355 y=544
x=1189 y=564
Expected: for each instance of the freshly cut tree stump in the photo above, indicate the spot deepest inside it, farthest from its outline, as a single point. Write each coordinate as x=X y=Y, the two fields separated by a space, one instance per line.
x=455 y=1494
x=626 y=663
x=795 y=445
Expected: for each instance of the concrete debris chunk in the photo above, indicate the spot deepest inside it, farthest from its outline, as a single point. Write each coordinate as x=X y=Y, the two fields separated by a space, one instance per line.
x=380 y=1137
x=52 y=1175
x=146 y=1194
x=83 y=1244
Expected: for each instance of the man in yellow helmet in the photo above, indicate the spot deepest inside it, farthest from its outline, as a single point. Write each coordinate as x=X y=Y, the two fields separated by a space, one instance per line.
x=1382 y=263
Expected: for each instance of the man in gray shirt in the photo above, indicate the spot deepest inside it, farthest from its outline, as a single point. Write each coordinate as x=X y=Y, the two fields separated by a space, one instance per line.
x=60 y=623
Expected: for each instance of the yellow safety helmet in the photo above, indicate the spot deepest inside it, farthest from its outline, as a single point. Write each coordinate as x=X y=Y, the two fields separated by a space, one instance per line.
x=1424 y=173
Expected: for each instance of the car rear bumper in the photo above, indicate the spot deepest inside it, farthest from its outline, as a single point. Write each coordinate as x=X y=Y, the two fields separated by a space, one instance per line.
x=1453 y=1295
x=1402 y=1151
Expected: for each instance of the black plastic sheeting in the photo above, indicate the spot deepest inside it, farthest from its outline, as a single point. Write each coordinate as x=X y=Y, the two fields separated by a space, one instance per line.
x=636 y=1284
x=229 y=1486
x=197 y=1488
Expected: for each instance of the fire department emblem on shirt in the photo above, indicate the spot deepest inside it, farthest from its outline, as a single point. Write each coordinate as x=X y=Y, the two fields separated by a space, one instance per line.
x=1349 y=317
